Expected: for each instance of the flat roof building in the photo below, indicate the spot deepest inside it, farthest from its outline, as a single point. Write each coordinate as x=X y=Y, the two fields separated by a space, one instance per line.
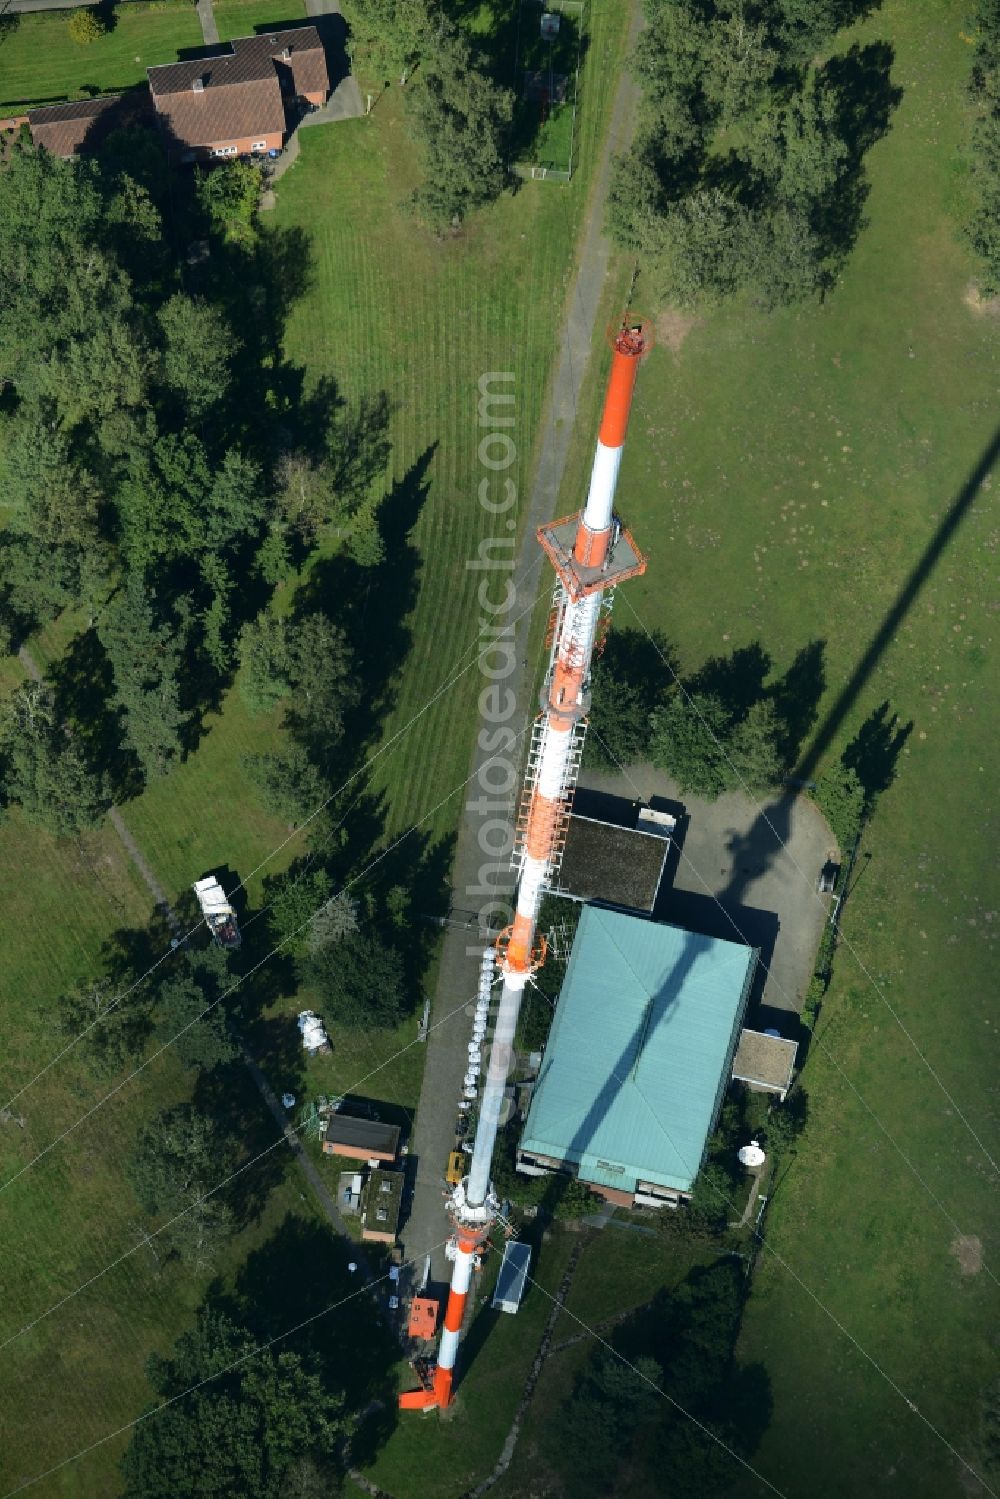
x=621 y=866
x=381 y=1203
x=765 y=1063
x=638 y=1059
x=424 y=1311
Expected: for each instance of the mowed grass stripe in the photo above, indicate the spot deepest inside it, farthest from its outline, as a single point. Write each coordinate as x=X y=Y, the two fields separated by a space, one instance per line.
x=882 y=398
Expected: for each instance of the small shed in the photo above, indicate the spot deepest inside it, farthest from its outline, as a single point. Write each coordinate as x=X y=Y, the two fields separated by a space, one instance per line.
x=380 y=1206
x=349 y=1192
x=423 y=1317
x=360 y=1139
x=513 y=1276
x=765 y=1063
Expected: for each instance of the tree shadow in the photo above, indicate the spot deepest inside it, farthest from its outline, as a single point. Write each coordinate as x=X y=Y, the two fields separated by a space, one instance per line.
x=544 y=74
x=736 y=680
x=865 y=95
x=107 y=14
x=859 y=82
x=299 y=1273
x=796 y=698
x=373 y=605
x=228 y=1095
x=84 y=687
x=422 y=870
x=875 y=750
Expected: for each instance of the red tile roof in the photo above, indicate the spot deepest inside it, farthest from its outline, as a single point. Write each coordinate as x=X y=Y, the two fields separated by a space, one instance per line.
x=241 y=90
x=84 y=124
x=222 y=114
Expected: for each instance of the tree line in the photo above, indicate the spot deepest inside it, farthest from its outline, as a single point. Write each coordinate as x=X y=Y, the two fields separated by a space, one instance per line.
x=728 y=727
x=984 y=225
x=163 y=472
x=747 y=171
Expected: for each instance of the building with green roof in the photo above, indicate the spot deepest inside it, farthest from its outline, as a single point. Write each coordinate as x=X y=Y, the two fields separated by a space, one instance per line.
x=638 y=1058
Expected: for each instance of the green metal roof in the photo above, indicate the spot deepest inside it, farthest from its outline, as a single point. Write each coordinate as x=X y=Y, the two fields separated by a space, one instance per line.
x=640 y=1050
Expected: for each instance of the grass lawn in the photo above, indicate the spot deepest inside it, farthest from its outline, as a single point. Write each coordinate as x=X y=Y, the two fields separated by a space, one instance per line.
x=437 y=1457
x=205 y=814
x=80 y=1373
x=40 y=64
x=787 y=473
x=618 y=1271
x=424 y=320
x=245 y=17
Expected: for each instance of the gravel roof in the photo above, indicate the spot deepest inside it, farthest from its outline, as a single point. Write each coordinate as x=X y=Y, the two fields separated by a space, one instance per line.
x=620 y=866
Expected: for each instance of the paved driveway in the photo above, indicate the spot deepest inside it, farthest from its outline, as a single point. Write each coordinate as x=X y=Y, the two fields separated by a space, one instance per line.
x=738 y=873
x=458 y=970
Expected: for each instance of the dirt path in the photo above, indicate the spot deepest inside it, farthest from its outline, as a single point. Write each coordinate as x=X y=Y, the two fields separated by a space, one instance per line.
x=206 y=17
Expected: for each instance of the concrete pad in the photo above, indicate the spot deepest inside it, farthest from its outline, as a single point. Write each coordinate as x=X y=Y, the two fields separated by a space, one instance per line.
x=744 y=870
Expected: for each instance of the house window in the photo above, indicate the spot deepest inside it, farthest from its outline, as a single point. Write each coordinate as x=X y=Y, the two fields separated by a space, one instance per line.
x=224 y=151
x=259 y=146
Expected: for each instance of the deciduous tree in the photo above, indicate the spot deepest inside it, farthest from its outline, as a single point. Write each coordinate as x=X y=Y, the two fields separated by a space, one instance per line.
x=43 y=768
x=178 y=1158
x=197 y=347
x=392 y=34
x=258 y=1421
x=193 y=1019
x=361 y=980
x=86 y=26
x=293 y=901
x=110 y=1024
x=289 y=784
x=462 y=119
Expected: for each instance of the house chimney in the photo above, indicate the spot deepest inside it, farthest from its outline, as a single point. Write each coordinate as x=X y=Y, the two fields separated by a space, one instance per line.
x=198 y=85
x=286 y=54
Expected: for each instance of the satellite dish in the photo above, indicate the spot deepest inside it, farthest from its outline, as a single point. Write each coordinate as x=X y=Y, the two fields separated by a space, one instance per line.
x=751 y=1155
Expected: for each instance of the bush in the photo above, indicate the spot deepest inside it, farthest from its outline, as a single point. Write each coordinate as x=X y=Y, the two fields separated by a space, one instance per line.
x=86 y=26
x=813 y=1000
x=840 y=797
x=360 y=980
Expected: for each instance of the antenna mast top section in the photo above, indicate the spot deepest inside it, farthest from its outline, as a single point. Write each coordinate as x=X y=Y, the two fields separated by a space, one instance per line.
x=591 y=550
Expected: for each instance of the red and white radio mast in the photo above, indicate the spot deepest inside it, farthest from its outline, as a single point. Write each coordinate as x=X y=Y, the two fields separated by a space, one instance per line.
x=591 y=553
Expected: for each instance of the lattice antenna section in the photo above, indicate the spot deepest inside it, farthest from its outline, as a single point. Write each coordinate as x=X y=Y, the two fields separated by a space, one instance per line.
x=554 y=627
x=556 y=814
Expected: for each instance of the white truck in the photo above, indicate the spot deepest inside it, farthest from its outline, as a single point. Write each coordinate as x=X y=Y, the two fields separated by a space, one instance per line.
x=220 y=918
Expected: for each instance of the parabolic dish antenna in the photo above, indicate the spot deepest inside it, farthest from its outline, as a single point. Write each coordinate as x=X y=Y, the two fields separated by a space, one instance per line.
x=751 y=1155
